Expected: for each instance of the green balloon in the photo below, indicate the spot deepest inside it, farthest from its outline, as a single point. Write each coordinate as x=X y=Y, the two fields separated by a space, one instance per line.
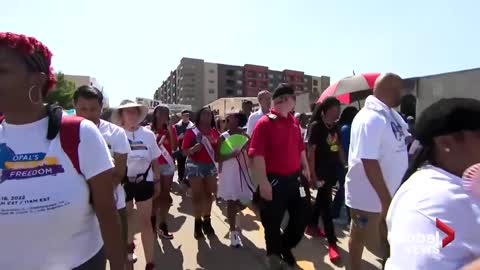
x=232 y=143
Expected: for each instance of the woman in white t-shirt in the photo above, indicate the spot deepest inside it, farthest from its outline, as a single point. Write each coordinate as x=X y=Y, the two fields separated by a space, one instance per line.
x=56 y=196
x=143 y=171
x=435 y=193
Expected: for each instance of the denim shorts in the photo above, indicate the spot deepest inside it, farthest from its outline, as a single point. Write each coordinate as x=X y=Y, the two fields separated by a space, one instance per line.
x=166 y=169
x=199 y=169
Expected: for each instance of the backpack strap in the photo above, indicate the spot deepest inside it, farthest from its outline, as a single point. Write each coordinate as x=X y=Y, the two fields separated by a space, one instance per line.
x=70 y=138
x=143 y=176
x=1 y=118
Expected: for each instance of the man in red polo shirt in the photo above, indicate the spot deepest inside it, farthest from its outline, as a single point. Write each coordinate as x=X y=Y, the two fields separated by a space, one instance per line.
x=278 y=155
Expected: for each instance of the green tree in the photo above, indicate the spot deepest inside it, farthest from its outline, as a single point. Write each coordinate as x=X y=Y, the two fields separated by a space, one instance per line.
x=63 y=92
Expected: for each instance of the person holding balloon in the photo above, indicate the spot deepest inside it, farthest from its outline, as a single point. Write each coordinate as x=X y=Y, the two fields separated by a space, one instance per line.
x=234 y=185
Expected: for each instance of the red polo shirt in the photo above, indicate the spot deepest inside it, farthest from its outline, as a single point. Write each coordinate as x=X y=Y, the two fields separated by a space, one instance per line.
x=280 y=142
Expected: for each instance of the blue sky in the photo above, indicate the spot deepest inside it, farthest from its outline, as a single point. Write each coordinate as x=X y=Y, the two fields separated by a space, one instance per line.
x=130 y=46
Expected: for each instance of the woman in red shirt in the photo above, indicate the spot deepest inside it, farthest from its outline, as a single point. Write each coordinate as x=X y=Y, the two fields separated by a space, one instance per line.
x=201 y=168
x=167 y=141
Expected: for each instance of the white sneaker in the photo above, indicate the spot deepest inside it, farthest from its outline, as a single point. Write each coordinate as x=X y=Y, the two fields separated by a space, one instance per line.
x=132 y=258
x=235 y=240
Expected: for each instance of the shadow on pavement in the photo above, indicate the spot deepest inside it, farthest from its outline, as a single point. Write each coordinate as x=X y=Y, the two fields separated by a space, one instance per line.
x=315 y=250
x=185 y=206
x=246 y=221
x=214 y=255
x=169 y=257
x=175 y=223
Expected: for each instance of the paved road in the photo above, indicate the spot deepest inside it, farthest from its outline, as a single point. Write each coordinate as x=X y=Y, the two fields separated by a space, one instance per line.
x=184 y=252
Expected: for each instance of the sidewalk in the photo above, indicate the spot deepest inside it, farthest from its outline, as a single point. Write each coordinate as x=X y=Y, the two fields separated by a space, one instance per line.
x=184 y=252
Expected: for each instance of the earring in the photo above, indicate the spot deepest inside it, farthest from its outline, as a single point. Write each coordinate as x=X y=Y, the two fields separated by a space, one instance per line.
x=30 y=96
x=447 y=149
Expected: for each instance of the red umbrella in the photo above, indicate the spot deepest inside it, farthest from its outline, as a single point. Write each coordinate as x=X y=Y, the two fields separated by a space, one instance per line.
x=346 y=86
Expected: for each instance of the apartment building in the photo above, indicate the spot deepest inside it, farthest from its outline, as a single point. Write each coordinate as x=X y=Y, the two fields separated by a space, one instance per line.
x=80 y=80
x=319 y=84
x=199 y=83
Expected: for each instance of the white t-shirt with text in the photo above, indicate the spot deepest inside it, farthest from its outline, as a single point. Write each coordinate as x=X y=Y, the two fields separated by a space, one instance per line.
x=415 y=241
x=46 y=219
x=144 y=149
x=117 y=142
x=376 y=135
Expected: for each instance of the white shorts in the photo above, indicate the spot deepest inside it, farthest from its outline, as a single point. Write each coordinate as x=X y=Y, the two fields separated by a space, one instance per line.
x=119 y=194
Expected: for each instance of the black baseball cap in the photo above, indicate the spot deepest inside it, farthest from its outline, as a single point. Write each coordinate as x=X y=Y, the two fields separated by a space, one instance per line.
x=185 y=112
x=283 y=89
x=447 y=116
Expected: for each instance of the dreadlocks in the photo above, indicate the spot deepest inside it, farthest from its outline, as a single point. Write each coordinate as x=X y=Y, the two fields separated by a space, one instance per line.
x=37 y=56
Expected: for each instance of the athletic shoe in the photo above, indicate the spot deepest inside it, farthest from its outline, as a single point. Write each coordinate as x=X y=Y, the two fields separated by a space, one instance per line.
x=333 y=253
x=163 y=232
x=288 y=258
x=235 y=239
x=131 y=257
x=314 y=231
x=207 y=226
x=274 y=263
x=198 y=233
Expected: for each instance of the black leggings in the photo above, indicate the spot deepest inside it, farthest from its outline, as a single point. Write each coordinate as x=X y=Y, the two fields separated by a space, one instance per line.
x=97 y=262
x=321 y=208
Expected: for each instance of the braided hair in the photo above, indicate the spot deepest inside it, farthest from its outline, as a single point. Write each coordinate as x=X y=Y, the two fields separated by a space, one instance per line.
x=36 y=55
x=321 y=108
x=37 y=58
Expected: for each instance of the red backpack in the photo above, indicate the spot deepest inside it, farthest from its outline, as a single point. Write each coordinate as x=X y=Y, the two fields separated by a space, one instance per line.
x=69 y=128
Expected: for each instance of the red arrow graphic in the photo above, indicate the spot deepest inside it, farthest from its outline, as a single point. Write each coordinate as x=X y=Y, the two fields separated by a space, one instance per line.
x=447 y=230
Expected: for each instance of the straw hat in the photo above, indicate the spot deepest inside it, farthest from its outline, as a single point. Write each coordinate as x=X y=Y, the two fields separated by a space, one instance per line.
x=116 y=117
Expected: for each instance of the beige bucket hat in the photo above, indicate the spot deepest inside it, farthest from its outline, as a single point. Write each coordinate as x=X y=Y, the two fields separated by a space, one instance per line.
x=116 y=117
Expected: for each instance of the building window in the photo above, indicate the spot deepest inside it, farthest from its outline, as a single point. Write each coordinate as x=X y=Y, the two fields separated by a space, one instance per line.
x=211 y=71
x=239 y=92
x=305 y=80
x=252 y=83
x=264 y=84
x=315 y=90
x=211 y=81
x=270 y=76
x=229 y=92
x=211 y=91
x=252 y=74
x=230 y=82
x=239 y=82
x=230 y=72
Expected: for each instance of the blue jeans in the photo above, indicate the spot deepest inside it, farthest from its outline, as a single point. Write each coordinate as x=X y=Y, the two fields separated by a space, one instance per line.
x=339 y=199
